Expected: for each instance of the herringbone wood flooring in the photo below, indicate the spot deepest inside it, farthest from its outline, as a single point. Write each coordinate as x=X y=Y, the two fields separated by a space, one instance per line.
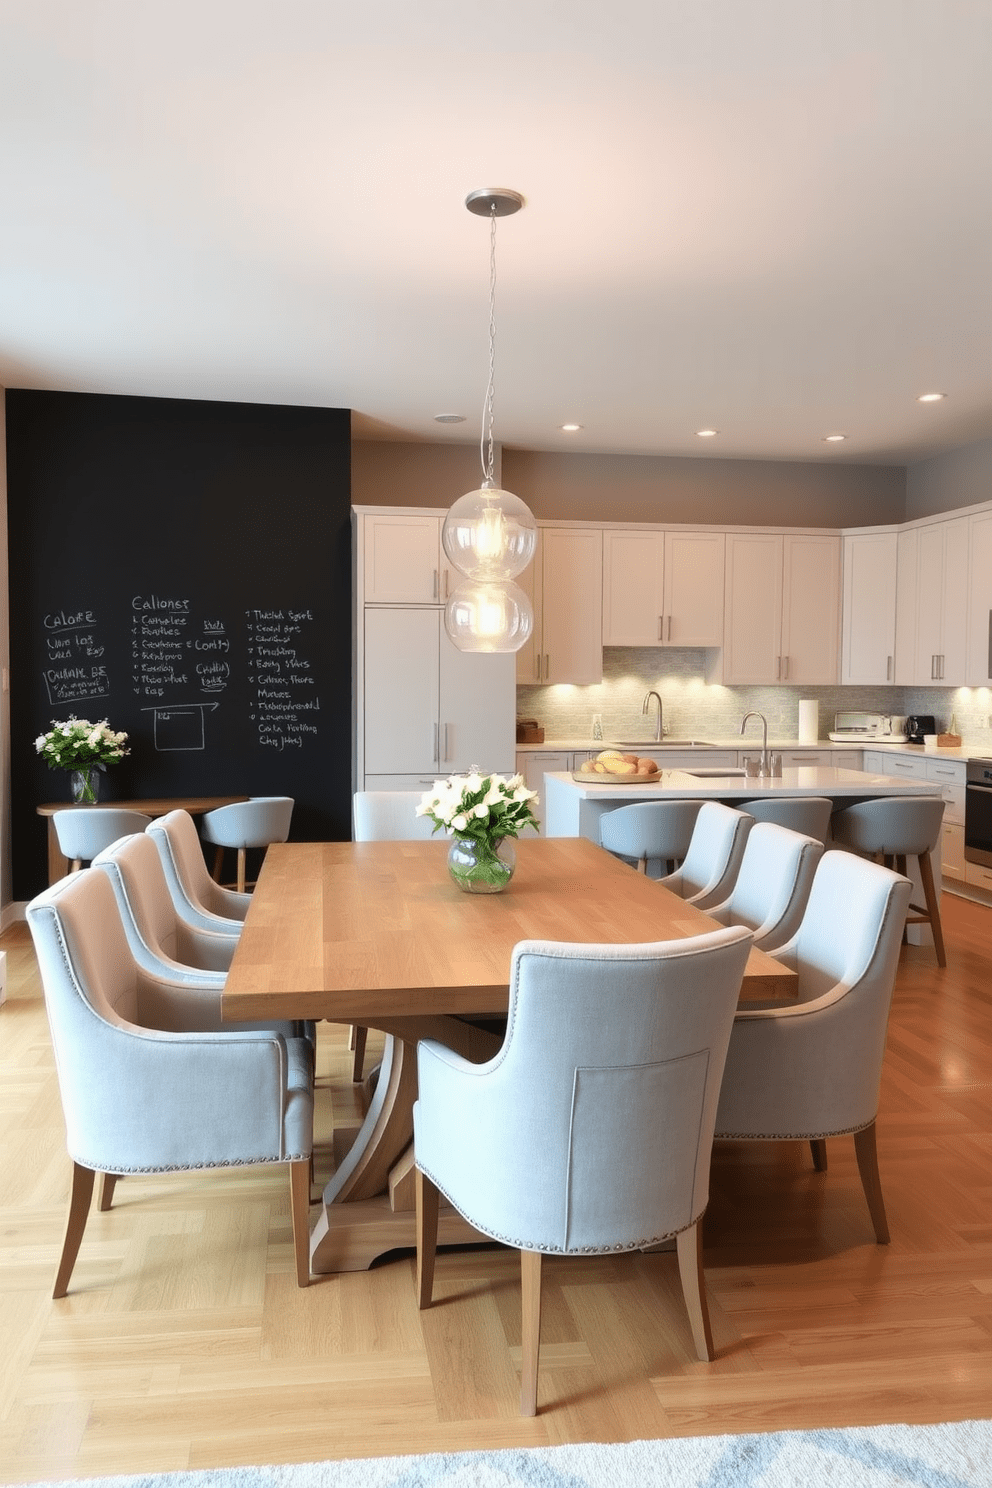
x=184 y=1340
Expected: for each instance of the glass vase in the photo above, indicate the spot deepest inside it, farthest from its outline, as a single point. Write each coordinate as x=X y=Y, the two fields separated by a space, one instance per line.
x=84 y=784
x=481 y=867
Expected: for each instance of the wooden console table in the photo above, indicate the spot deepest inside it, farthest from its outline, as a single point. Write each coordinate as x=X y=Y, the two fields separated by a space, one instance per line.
x=58 y=863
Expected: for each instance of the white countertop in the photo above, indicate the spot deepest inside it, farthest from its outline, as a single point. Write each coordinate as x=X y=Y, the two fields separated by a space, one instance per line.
x=801 y=780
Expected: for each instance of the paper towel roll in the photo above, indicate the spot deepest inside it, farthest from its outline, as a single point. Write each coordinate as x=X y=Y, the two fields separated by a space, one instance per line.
x=809 y=720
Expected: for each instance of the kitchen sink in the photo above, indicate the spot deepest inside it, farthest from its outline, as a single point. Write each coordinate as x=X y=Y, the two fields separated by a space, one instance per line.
x=661 y=744
x=716 y=774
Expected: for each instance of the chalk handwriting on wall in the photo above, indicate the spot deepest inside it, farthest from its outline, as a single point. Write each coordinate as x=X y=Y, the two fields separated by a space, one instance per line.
x=283 y=701
x=73 y=647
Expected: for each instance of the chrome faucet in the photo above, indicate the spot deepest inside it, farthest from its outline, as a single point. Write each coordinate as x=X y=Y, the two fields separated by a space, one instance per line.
x=644 y=708
x=764 y=764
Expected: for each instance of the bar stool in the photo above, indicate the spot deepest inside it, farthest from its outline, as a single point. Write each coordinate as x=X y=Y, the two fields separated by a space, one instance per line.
x=650 y=831
x=891 y=830
x=253 y=823
x=809 y=815
x=84 y=831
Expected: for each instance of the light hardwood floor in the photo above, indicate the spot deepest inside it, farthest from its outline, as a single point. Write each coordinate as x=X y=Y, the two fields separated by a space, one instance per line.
x=184 y=1340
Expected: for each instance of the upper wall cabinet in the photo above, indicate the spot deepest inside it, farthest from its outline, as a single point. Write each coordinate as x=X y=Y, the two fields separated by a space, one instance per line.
x=782 y=617
x=979 y=663
x=565 y=584
x=932 y=604
x=404 y=562
x=662 y=588
x=869 y=632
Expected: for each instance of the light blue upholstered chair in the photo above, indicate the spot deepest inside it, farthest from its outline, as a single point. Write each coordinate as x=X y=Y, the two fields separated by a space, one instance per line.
x=811 y=1069
x=245 y=824
x=773 y=885
x=84 y=831
x=198 y=899
x=142 y=1096
x=384 y=816
x=162 y=943
x=650 y=832
x=807 y=814
x=891 y=830
x=590 y=1131
x=709 y=869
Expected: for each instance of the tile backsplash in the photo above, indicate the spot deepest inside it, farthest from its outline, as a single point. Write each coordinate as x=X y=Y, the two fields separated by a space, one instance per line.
x=695 y=709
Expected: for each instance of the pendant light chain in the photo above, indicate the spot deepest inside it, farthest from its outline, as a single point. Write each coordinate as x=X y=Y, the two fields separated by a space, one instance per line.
x=488 y=462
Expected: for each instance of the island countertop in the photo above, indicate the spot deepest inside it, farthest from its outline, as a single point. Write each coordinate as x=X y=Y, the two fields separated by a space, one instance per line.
x=572 y=807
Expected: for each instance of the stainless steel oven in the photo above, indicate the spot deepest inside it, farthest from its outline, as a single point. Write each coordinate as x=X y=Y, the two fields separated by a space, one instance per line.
x=978 y=813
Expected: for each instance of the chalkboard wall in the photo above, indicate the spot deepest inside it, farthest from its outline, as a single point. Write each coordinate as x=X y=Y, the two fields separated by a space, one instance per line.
x=182 y=569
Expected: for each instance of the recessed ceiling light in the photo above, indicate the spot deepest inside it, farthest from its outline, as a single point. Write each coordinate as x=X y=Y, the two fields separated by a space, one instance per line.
x=833 y=438
x=570 y=428
x=707 y=433
x=449 y=418
x=930 y=397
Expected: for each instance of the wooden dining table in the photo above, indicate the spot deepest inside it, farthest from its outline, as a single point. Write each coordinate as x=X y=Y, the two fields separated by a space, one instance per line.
x=376 y=933
x=58 y=863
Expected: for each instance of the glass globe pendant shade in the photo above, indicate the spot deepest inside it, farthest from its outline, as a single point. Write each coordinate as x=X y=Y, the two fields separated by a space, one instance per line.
x=489 y=534
x=482 y=616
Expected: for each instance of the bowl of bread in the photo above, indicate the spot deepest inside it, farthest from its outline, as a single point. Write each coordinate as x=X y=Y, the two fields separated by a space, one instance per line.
x=613 y=767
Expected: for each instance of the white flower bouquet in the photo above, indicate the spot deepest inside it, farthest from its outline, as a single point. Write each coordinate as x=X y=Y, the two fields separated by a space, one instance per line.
x=83 y=748
x=484 y=807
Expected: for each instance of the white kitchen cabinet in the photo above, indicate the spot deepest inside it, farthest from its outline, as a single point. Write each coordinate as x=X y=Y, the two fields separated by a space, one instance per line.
x=979 y=662
x=883 y=762
x=869 y=630
x=534 y=767
x=565 y=584
x=847 y=759
x=662 y=588
x=932 y=604
x=782 y=608
x=978 y=876
x=429 y=707
x=952 y=861
x=403 y=561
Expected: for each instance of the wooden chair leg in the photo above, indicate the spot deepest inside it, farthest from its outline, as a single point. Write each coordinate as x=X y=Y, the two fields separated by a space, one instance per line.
x=866 y=1149
x=427 y=1207
x=299 y=1197
x=530 y=1305
x=219 y=864
x=933 y=907
x=80 y=1195
x=108 y=1182
x=690 y=1251
x=818 y=1147
x=242 y=854
x=358 y=1039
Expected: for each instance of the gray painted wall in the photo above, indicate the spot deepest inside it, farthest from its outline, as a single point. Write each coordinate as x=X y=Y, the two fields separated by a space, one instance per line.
x=636 y=488
x=961 y=477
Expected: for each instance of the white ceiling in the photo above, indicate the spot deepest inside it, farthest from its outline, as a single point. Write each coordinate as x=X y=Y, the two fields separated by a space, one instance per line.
x=772 y=217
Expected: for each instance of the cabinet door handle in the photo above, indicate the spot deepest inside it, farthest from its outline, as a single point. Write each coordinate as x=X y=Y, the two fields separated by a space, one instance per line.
x=669 y=627
x=942 y=659
x=785 y=668
x=437 y=757
x=661 y=633
x=888 y=668
x=447 y=751
x=434 y=592
x=447 y=583
x=547 y=666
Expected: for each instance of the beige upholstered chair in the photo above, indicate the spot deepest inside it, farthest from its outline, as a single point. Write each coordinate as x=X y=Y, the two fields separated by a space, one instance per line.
x=141 y=1093
x=811 y=1069
x=650 y=832
x=198 y=899
x=590 y=1131
x=709 y=869
x=890 y=831
x=773 y=885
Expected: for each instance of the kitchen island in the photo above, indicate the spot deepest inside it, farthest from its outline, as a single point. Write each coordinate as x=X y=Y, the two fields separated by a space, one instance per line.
x=573 y=807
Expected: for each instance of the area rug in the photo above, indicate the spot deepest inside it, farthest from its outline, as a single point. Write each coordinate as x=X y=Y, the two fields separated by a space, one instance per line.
x=951 y=1455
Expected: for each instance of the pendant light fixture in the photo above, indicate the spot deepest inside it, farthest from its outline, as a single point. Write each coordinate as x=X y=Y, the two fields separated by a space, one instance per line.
x=489 y=534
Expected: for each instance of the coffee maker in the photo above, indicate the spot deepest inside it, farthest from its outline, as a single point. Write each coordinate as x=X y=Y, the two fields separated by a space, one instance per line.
x=919 y=724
